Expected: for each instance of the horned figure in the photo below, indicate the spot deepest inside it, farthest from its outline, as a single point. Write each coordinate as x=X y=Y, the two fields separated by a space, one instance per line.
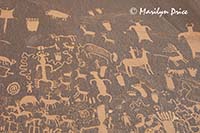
x=67 y=82
x=107 y=40
x=50 y=118
x=42 y=57
x=84 y=94
x=64 y=100
x=177 y=58
x=86 y=32
x=20 y=113
x=49 y=103
x=70 y=123
x=80 y=75
x=143 y=61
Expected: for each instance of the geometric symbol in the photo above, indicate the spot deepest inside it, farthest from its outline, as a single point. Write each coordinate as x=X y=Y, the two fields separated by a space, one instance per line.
x=13 y=88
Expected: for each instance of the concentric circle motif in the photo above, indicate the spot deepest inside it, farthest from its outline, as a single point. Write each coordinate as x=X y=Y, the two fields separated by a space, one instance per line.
x=13 y=88
x=84 y=113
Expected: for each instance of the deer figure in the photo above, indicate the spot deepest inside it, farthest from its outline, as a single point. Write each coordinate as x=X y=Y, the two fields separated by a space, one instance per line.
x=107 y=40
x=49 y=103
x=20 y=113
x=84 y=94
x=177 y=58
x=65 y=83
x=64 y=100
x=50 y=118
x=80 y=75
x=11 y=108
x=70 y=123
x=138 y=62
x=87 y=33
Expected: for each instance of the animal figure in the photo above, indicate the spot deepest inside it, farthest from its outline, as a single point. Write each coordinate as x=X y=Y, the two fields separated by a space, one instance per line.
x=70 y=123
x=177 y=58
x=5 y=65
x=179 y=72
x=140 y=88
x=27 y=114
x=138 y=62
x=92 y=49
x=49 y=119
x=64 y=100
x=49 y=103
x=84 y=94
x=57 y=15
x=5 y=61
x=87 y=33
x=11 y=108
x=108 y=40
x=26 y=100
x=67 y=84
x=80 y=75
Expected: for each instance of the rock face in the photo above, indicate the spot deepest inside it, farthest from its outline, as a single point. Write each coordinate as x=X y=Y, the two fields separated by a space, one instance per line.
x=101 y=66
